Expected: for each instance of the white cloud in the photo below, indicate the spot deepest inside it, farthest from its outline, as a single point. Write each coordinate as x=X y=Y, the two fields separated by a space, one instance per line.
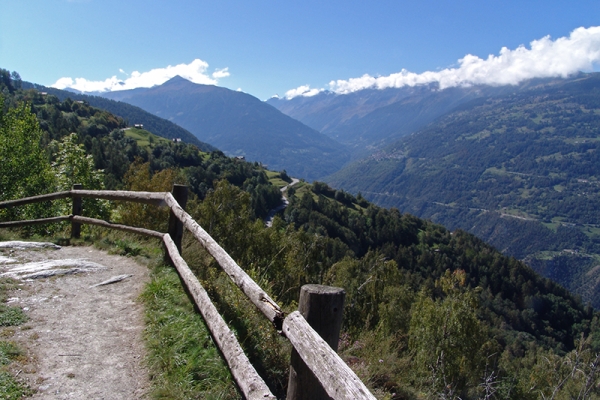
x=304 y=90
x=544 y=59
x=221 y=73
x=194 y=71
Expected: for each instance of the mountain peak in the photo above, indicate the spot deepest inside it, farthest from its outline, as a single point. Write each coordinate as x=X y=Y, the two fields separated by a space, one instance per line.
x=177 y=79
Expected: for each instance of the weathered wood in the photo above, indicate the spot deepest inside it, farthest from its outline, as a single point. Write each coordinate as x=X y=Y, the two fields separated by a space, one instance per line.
x=250 y=383
x=126 y=228
x=112 y=280
x=338 y=380
x=77 y=210
x=255 y=294
x=35 y=199
x=322 y=307
x=156 y=198
x=16 y=224
x=180 y=194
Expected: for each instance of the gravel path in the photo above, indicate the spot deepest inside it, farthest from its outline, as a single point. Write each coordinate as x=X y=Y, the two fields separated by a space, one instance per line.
x=82 y=342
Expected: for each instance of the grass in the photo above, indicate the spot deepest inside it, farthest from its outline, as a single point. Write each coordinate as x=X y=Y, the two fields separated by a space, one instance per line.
x=144 y=138
x=184 y=362
x=10 y=387
x=275 y=179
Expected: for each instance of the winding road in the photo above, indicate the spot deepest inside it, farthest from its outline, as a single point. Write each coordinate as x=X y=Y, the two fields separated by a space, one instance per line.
x=284 y=203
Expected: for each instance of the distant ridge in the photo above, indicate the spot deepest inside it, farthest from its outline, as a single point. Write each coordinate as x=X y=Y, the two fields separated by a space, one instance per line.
x=241 y=125
x=370 y=119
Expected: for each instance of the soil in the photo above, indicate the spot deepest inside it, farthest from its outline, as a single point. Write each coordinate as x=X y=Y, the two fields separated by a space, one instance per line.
x=81 y=342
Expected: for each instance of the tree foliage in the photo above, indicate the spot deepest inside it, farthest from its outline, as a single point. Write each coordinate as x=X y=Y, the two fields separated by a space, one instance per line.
x=24 y=167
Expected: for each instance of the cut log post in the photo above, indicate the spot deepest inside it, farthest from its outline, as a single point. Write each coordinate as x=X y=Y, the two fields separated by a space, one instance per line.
x=322 y=307
x=77 y=208
x=338 y=380
x=180 y=193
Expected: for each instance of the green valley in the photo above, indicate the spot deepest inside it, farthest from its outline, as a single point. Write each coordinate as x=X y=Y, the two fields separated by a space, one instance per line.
x=520 y=171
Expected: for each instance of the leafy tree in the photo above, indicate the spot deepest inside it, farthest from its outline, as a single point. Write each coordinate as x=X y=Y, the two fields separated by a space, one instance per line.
x=447 y=337
x=139 y=178
x=24 y=168
x=74 y=166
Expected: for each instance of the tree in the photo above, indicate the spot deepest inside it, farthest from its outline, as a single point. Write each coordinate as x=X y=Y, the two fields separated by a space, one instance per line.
x=148 y=216
x=74 y=166
x=24 y=167
x=447 y=337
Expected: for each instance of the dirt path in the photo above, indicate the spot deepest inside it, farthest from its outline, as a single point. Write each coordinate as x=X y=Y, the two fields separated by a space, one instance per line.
x=83 y=342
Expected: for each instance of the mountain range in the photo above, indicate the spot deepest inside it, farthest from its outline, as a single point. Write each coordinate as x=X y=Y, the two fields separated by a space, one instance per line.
x=515 y=165
x=241 y=125
x=520 y=170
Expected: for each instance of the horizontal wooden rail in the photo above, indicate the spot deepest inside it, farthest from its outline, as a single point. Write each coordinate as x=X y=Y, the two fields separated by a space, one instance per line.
x=35 y=199
x=255 y=294
x=26 y=222
x=156 y=198
x=338 y=380
x=126 y=228
x=250 y=383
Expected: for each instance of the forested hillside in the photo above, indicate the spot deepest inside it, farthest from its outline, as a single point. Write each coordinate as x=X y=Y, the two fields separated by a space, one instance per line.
x=429 y=313
x=132 y=114
x=520 y=171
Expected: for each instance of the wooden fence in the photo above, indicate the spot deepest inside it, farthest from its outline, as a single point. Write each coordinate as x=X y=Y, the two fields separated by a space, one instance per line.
x=317 y=372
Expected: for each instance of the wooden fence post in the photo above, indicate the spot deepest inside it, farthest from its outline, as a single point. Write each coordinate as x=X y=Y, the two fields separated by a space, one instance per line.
x=77 y=209
x=180 y=193
x=322 y=307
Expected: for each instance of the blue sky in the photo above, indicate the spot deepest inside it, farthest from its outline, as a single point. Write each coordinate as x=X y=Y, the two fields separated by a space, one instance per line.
x=268 y=47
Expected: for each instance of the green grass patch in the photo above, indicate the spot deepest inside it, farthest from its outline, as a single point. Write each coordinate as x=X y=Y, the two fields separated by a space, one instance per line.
x=10 y=388
x=184 y=362
x=144 y=138
x=8 y=352
x=12 y=316
x=275 y=179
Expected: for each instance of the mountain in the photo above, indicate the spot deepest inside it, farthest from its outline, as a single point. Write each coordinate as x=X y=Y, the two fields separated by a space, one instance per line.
x=241 y=125
x=368 y=120
x=519 y=170
x=421 y=302
x=134 y=115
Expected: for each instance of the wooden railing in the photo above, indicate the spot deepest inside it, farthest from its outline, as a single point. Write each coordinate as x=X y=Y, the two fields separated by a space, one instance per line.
x=313 y=356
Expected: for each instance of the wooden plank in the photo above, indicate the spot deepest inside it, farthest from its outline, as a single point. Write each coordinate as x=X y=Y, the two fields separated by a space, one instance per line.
x=126 y=228
x=322 y=307
x=250 y=383
x=15 y=224
x=156 y=198
x=338 y=380
x=35 y=199
x=255 y=294
x=77 y=210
